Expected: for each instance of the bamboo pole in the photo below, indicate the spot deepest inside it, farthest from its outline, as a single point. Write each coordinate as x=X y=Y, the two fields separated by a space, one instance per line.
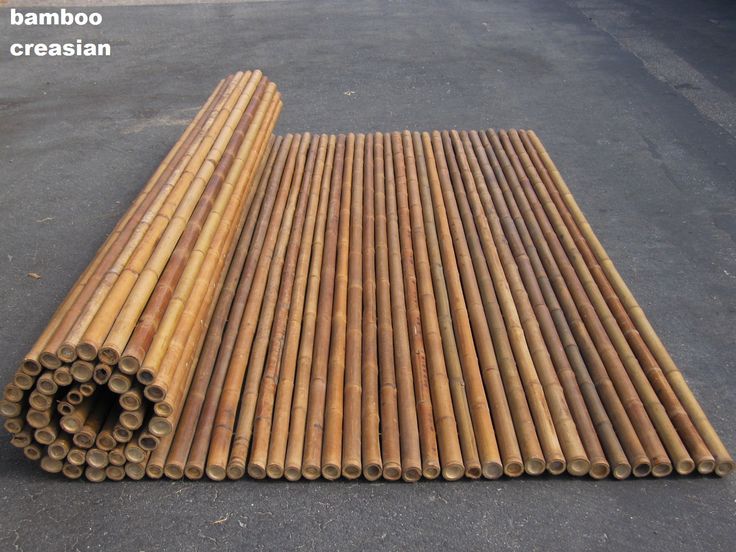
x=411 y=457
x=291 y=298
x=71 y=471
x=226 y=412
x=195 y=466
x=389 y=415
x=280 y=280
x=471 y=314
x=537 y=281
x=301 y=315
x=85 y=306
x=31 y=363
x=723 y=462
x=352 y=390
x=370 y=421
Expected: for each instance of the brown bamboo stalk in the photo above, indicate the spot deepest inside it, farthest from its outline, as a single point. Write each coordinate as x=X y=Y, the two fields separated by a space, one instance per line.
x=121 y=434
x=645 y=332
x=45 y=383
x=291 y=297
x=13 y=393
x=60 y=447
x=132 y=399
x=31 y=362
x=63 y=376
x=427 y=323
x=94 y=475
x=76 y=456
x=205 y=379
x=352 y=391
x=118 y=383
x=105 y=440
x=85 y=437
x=389 y=415
x=136 y=470
x=47 y=434
x=471 y=313
x=97 y=458
x=370 y=420
x=133 y=419
x=195 y=466
x=102 y=374
x=226 y=411
x=324 y=431
x=535 y=277
x=15 y=425
x=287 y=456
x=23 y=438
x=82 y=371
x=33 y=452
x=10 y=409
x=115 y=473
x=85 y=305
x=23 y=380
x=117 y=455
x=527 y=339
x=38 y=418
x=71 y=471
x=618 y=375
x=49 y=465
x=411 y=457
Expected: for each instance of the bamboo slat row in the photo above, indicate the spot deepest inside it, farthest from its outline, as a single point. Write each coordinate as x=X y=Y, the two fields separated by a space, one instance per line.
x=391 y=305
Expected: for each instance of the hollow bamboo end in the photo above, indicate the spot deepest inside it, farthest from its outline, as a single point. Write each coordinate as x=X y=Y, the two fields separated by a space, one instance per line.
x=76 y=457
x=155 y=392
x=308 y=472
x=145 y=376
x=492 y=470
x=453 y=472
x=95 y=475
x=135 y=471
x=578 y=467
x=49 y=360
x=20 y=440
x=9 y=409
x=160 y=427
x=412 y=475
x=82 y=371
x=71 y=471
x=351 y=471
x=63 y=377
x=331 y=471
x=685 y=467
x=256 y=471
x=83 y=439
x=128 y=365
x=163 y=409
x=23 y=380
x=85 y=350
x=135 y=454
x=661 y=469
x=154 y=472
x=431 y=472
x=15 y=425
x=108 y=355
x=37 y=419
x=51 y=465
x=47 y=386
x=106 y=441
x=235 y=470
x=130 y=402
x=148 y=442
x=216 y=473
x=97 y=458
x=32 y=452
x=122 y=434
x=118 y=383
x=193 y=472
x=31 y=366
x=115 y=473
x=372 y=472
x=534 y=466
x=473 y=472
x=601 y=470
x=706 y=467
x=45 y=436
x=724 y=468
x=275 y=471
x=392 y=471
x=74 y=397
x=293 y=473
x=174 y=471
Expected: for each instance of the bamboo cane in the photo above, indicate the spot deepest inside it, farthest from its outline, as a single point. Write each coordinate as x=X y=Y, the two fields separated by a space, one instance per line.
x=22 y=438
x=133 y=419
x=61 y=446
x=15 y=425
x=121 y=434
x=62 y=376
x=205 y=379
x=32 y=451
x=115 y=473
x=195 y=465
x=102 y=374
x=226 y=411
x=537 y=282
x=132 y=399
x=71 y=471
x=38 y=401
x=76 y=456
x=370 y=420
x=436 y=370
x=117 y=455
x=23 y=380
x=105 y=440
x=411 y=458
x=644 y=329
x=95 y=475
x=291 y=296
x=85 y=305
x=533 y=460
x=136 y=470
x=118 y=382
x=38 y=418
x=10 y=409
x=389 y=415
x=45 y=383
x=85 y=437
x=82 y=371
x=47 y=434
x=31 y=362
x=50 y=465
x=97 y=458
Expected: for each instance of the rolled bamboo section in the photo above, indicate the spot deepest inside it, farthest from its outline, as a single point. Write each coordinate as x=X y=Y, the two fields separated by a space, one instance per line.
x=389 y=305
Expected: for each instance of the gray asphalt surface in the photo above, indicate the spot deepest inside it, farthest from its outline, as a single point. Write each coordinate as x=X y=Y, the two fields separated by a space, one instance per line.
x=635 y=102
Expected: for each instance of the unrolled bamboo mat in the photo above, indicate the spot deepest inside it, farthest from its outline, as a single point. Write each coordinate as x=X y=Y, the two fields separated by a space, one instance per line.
x=391 y=306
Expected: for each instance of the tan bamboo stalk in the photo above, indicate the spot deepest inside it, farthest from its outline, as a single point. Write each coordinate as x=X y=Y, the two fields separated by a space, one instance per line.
x=618 y=375
x=15 y=425
x=136 y=470
x=97 y=458
x=644 y=329
x=275 y=426
x=307 y=414
x=102 y=374
x=323 y=441
x=470 y=314
x=105 y=440
x=71 y=471
x=195 y=465
x=10 y=409
x=82 y=371
x=117 y=455
x=205 y=379
x=291 y=296
x=127 y=292
x=348 y=423
x=148 y=441
x=60 y=447
x=39 y=401
x=389 y=415
x=679 y=420
x=87 y=388
x=665 y=432
x=134 y=453
x=133 y=231
x=64 y=408
x=23 y=438
x=31 y=362
x=411 y=458
x=45 y=383
x=133 y=419
x=85 y=437
x=76 y=456
x=209 y=253
x=47 y=434
x=38 y=418
x=74 y=395
x=121 y=434
x=94 y=475
x=49 y=465
x=527 y=339
x=287 y=456
x=202 y=293
x=370 y=419
x=226 y=411
x=32 y=451
x=23 y=380
x=535 y=276
x=115 y=473
x=280 y=277
x=62 y=376
x=161 y=289
x=426 y=322
x=132 y=399
x=13 y=393
x=118 y=383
